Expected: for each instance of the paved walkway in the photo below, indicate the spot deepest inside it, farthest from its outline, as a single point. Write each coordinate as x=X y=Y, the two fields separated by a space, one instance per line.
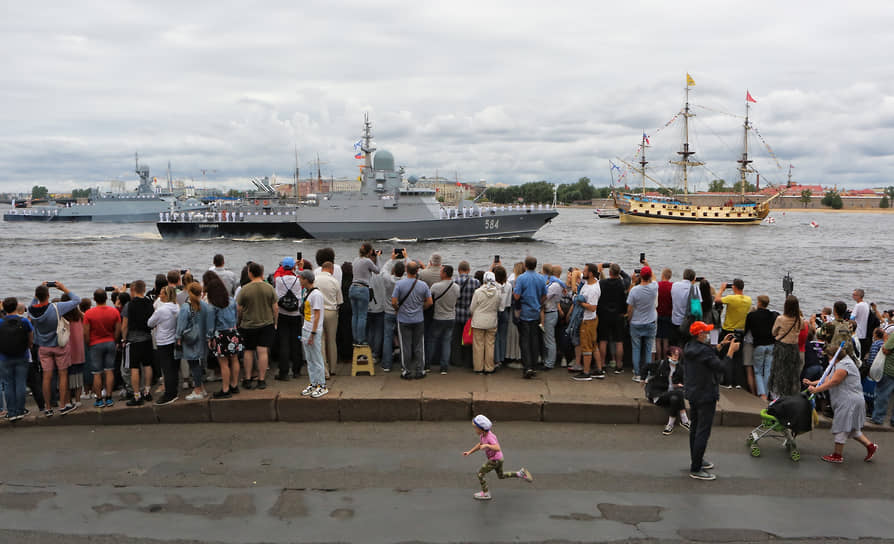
x=551 y=396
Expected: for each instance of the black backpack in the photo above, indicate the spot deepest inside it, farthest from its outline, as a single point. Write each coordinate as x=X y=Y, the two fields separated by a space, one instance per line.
x=13 y=337
x=289 y=302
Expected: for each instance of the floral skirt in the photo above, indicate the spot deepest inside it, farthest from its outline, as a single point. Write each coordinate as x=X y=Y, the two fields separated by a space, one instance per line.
x=226 y=343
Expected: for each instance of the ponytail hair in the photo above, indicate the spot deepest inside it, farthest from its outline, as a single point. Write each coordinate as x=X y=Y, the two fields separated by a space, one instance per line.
x=195 y=295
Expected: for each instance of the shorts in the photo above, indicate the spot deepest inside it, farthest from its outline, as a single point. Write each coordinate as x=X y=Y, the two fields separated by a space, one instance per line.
x=226 y=343
x=611 y=329
x=664 y=327
x=262 y=337
x=588 y=336
x=138 y=354
x=51 y=358
x=101 y=357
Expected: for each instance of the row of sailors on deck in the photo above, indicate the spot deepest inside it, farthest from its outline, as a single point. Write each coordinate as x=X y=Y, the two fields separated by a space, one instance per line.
x=479 y=211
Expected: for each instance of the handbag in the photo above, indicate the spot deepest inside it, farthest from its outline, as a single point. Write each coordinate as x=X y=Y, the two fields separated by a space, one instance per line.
x=877 y=370
x=467 y=333
x=63 y=329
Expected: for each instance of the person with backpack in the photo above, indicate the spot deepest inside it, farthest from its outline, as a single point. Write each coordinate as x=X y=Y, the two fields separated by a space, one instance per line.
x=288 y=328
x=51 y=334
x=16 y=339
x=194 y=321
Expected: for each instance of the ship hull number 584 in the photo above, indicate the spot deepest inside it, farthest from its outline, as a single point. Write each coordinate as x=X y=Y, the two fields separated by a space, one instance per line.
x=491 y=224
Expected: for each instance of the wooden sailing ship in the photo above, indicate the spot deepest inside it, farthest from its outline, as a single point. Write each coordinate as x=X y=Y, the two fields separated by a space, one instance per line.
x=642 y=208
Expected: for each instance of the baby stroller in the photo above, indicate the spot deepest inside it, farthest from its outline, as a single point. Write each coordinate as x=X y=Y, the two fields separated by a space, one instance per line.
x=784 y=419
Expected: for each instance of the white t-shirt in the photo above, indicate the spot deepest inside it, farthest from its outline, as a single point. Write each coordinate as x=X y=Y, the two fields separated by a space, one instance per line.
x=861 y=318
x=313 y=301
x=336 y=272
x=591 y=293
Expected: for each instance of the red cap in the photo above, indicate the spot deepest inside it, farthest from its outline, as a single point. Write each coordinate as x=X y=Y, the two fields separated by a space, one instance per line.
x=645 y=273
x=699 y=327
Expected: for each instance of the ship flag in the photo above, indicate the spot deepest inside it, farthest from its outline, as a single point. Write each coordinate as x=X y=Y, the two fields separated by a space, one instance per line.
x=614 y=166
x=357 y=144
x=646 y=138
x=749 y=98
x=689 y=81
x=358 y=156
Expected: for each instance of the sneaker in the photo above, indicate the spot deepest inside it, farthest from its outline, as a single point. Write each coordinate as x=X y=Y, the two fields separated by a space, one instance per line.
x=98 y=403
x=406 y=376
x=234 y=389
x=246 y=384
x=707 y=465
x=443 y=372
x=135 y=402
x=727 y=386
x=147 y=397
x=195 y=396
x=17 y=418
x=482 y=496
x=222 y=395
x=419 y=376
x=530 y=373
x=319 y=392
x=685 y=425
x=164 y=401
x=668 y=429
x=262 y=384
x=525 y=475
x=870 y=452
x=386 y=369
x=618 y=371
x=109 y=402
x=637 y=379
x=48 y=412
x=86 y=396
x=308 y=390
x=68 y=408
x=833 y=458
x=582 y=377
x=598 y=374
x=575 y=368
x=702 y=475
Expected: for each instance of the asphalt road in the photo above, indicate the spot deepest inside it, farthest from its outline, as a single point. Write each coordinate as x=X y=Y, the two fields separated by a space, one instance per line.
x=354 y=482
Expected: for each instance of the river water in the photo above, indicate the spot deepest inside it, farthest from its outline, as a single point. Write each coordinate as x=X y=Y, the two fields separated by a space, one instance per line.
x=845 y=252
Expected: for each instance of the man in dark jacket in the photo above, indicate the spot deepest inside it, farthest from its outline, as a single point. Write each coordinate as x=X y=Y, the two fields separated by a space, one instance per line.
x=703 y=364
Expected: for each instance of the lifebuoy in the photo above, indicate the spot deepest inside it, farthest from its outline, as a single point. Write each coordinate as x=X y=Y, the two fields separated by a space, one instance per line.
x=257 y=202
x=266 y=202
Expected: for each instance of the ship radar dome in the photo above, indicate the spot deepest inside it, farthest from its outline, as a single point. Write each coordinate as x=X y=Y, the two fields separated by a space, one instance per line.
x=413 y=180
x=383 y=160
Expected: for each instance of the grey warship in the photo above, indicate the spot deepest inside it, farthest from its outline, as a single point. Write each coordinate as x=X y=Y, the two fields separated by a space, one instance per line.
x=145 y=205
x=383 y=209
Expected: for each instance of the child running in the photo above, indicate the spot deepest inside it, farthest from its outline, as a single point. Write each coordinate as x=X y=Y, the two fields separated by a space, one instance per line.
x=488 y=442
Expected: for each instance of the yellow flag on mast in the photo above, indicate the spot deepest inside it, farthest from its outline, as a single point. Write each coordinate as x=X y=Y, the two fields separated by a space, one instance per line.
x=689 y=81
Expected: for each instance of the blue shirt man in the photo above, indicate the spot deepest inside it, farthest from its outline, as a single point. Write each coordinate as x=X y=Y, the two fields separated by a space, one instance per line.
x=530 y=292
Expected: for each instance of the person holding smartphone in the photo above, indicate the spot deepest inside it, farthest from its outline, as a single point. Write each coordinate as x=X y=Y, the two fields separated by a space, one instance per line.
x=358 y=293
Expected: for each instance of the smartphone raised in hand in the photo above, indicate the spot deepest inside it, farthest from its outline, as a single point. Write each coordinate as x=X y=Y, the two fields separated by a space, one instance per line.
x=51 y=284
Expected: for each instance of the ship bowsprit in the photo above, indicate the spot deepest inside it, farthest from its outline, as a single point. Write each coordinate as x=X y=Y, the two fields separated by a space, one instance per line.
x=521 y=224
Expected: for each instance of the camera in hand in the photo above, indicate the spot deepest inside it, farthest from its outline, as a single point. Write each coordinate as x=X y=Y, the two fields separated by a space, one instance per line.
x=51 y=284
x=637 y=271
x=496 y=258
x=642 y=258
x=298 y=258
x=399 y=253
x=183 y=271
x=110 y=288
x=606 y=265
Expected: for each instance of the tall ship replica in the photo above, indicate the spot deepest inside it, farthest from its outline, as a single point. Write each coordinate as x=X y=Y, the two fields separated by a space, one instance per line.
x=145 y=205
x=383 y=208
x=640 y=208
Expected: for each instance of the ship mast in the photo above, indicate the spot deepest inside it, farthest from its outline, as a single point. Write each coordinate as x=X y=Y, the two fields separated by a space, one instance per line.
x=685 y=154
x=297 y=179
x=643 y=162
x=367 y=149
x=744 y=161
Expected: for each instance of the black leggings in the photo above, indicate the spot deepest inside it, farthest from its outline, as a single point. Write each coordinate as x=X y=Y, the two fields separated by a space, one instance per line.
x=672 y=401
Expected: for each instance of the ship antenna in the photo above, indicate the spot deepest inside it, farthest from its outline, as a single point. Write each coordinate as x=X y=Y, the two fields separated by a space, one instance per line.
x=367 y=149
x=643 y=162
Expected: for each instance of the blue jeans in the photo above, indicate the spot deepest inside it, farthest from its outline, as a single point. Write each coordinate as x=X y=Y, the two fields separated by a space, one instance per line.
x=197 y=371
x=375 y=328
x=549 y=338
x=101 y=357
x=500 y=340
x=642 y=338
x=762 y=359
x=359 y=297
x=313 y=354
x=388 y=340
x=14 y=373
x=883 y=391
x=437 y=343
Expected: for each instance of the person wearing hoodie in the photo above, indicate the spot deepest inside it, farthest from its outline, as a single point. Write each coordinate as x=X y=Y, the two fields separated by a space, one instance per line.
x=164 y=321
x=484 y=308
x=45 y=318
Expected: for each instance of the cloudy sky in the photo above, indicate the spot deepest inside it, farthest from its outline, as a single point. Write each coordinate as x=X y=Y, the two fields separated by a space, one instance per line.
x=505 y=91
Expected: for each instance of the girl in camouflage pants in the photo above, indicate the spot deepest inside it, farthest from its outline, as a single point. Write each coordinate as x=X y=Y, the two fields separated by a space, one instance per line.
x=488 y=442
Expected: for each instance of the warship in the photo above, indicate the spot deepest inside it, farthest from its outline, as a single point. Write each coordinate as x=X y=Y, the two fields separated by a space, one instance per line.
x=642 y=208
x=145 y=205
x=385 y=207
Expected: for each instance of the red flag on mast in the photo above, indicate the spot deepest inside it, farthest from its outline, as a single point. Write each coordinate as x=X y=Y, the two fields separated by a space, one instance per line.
x=749 y=98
